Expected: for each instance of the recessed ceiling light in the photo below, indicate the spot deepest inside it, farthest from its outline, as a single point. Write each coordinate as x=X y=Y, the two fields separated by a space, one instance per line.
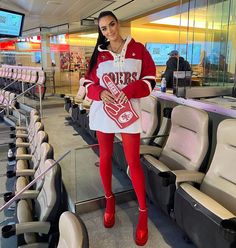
x=54 y=2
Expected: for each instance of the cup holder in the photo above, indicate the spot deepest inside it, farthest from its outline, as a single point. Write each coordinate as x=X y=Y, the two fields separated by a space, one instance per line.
x=11 y=145
x=167 y=178
x=8 y=231
x=12 y=158
x=12 y=135
x=67 y=100
x=11 y=174
x=8 y=196
x=83 y=111
x=75 y=106
x=228 y=228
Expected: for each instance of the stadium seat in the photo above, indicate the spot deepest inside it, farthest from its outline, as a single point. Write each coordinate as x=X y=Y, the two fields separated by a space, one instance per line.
x=184 y=150
x=73 y=232
x=208 y=214
x=37 y=224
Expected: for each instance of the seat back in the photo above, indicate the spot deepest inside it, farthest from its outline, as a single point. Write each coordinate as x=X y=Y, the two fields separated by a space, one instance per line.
x=46 y=152
x=48 y=202
x=187 y=143
x=220 y=180
x=41 y=77
x=34 y=77
x=39 y=138
x=81 y=92
x=73 y=233
x=149 y=117
x=38 y=126
x=28 y=76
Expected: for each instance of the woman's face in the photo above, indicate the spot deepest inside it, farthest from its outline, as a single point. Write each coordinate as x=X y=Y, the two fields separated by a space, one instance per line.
x=109 y=28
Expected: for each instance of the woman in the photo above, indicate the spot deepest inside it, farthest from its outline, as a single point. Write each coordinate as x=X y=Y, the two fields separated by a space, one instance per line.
x=133 y=71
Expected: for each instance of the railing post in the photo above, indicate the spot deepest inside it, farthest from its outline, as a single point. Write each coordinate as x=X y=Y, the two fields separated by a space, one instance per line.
x=22 y=88
x=40 y=101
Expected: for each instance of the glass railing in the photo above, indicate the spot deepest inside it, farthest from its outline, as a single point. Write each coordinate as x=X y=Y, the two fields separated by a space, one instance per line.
x=80 y=174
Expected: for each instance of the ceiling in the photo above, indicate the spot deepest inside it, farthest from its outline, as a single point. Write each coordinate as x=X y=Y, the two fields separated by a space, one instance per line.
x=45 y=13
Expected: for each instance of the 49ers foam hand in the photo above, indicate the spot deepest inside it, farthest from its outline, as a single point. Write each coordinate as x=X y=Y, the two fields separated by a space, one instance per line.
x=123 y=114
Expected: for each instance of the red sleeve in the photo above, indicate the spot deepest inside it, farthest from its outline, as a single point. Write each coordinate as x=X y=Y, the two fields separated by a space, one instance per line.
x=143 y=86
x=92 y=85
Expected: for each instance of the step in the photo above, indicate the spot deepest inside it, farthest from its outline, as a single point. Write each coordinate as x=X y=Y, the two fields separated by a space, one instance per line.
x=99 y=202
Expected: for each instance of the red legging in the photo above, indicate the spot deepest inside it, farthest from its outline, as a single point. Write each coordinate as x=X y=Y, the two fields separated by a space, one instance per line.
x=131 y=145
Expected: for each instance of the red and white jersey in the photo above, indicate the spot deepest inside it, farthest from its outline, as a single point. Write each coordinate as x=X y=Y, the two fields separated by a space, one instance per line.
x=130 y=70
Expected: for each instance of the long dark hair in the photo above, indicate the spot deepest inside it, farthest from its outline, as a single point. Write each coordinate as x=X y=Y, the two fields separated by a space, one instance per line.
x=102 y=40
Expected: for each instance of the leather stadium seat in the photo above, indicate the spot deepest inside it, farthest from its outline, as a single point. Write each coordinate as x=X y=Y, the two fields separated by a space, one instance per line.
x=33 y=151
x=46 y=152
x=30 y=138
x=36 y=225
x=184 y=150
x=24 y=173
x=208 y=214
x=73 y=232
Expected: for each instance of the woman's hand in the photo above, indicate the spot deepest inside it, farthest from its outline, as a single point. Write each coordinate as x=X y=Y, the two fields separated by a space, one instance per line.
x=121 y=98
x=107 y=97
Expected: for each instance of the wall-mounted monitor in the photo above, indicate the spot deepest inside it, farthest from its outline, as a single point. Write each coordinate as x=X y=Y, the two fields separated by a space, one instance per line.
x=11 y=23
x=190 y=52
x=159 y=52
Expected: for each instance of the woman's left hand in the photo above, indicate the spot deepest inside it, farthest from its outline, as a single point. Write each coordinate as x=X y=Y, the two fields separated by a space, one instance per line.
x=121 y=98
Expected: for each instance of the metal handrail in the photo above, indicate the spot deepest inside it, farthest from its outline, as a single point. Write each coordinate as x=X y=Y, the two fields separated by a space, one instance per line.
x=23 y=93
x=9 y=85
x=32 y=182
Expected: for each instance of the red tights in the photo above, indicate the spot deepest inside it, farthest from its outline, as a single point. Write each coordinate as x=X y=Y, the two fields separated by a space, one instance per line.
x=131 y=144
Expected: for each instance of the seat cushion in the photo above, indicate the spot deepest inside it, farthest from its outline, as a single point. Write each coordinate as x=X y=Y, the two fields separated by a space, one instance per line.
x=207 y=202
x=21 y=164
x=21 y=182
x=24 y=214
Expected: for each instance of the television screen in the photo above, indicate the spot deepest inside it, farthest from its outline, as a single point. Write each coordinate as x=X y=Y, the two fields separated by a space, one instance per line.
x=159 y=52
x=192 y=54
x=11 y=23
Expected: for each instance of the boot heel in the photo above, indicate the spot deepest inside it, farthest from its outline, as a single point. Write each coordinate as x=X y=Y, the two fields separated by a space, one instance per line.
x=141 y=235
x=109 y=216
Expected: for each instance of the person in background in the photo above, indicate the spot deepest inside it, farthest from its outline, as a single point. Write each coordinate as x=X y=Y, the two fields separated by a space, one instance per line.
x=174 y=63
x=132 y=69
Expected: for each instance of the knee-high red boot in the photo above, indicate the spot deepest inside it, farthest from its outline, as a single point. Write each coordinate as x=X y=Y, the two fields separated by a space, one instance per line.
x=141 y=235
x=109 y=216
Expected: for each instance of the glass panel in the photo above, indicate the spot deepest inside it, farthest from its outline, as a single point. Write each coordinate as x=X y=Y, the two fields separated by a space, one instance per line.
x=88 y=180
x=70 y=54
x=210 y=41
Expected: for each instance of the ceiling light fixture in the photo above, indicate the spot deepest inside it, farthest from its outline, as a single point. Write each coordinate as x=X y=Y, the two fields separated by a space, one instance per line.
x=54 y=2
x=94 y=35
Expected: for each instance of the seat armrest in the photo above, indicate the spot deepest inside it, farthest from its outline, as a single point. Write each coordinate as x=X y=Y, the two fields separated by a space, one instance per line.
x=21 y=128
x=152 y=150
x=188 y=176
x=34 y=245
x=69 y=95
x=24 y=157
x=22 y=135
x=28 y=194
x=22 y=144
x=25 y=172
x=155 y=163
x=33 y=227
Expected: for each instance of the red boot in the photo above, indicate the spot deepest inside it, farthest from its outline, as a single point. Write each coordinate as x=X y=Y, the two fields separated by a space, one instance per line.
x=141 y=235
x=109 y=216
